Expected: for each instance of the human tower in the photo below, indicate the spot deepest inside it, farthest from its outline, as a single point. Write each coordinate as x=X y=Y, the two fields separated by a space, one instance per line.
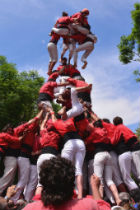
x=75 y=132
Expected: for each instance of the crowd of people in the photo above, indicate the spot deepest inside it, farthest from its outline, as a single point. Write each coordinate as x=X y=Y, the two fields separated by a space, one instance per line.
x=65 y=157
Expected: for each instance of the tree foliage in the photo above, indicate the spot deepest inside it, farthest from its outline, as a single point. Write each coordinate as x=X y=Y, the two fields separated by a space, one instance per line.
x=138 y=132
x=18 y=93
x=129 y=46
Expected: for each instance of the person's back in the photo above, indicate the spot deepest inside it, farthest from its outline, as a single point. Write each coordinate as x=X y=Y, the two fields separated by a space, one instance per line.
x=81 y=204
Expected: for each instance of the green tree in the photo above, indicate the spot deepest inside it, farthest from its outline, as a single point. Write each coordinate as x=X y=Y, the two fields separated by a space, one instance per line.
x=18 y=93
x=129 y=46
x=138 y=132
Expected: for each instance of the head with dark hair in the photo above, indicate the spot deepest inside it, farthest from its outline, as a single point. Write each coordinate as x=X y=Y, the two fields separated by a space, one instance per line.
x=106 y=120
x=64 y=14
x=117 y=120
x=64 y=61
x=135 y=194
x=67 y=93
x=57 y=177
x=98 y=124
x=8 y=129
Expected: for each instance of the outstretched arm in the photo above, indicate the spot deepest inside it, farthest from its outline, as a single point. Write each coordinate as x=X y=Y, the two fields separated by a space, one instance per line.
x=38 y=117
x=79 y=89
x=42 y=126
x=94 y=116
x=63 y=84
x=51 y=111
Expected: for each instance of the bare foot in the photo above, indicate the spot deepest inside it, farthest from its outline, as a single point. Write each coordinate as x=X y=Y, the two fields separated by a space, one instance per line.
x=85 y=64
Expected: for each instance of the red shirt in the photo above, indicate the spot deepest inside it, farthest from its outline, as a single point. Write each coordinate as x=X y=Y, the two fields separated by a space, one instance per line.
x=98 y=135
x=69 y=70
x=110 y=129
x=30 y=135
x=53 y=76
x=64 y=127
x=7 y=139
x=80 y=18
x=48 y=88
x=80 y=38
x=54 y=38
x=78 y=83
x=122 y=130
x=18 y=131
x=75 y=204
x=63 y=22
x=50 y=138
x=81 y=126
x=36 y=144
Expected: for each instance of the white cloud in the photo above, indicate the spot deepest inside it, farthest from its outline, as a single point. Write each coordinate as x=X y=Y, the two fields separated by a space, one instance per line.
x=115 y=91
x=121 y=106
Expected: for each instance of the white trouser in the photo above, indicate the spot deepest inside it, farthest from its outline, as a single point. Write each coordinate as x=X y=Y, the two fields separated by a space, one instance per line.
x=85 y=174
x=78 y=77
x=108 y=193
x=45 y=104
x=24 y=172
x=61 y=31
x=77 y=107
x=53 y=52
x=125 y=163
x=40 y=160
x=116 y=169
x=32 y=183
x=10 y=166
x=103 y=165
x=136 y=160
x=75 y=111
x=74 y=150
x=88 y=47
x=80 y=28
x=90 y=173
x=71 y=48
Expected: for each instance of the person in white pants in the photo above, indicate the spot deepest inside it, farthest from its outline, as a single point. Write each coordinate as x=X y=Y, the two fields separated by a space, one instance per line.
x=32 y=183
x=24 y=156
x=125 y=163
x=80 y=22
x=53 y=52
x=61 y=26
x=10 y=153
x=135 y=149
x=33 y=177
x=88 y=47
x=68 y=44
x=117 y=177
x=23 y=162
x=124 y=154
x=49 y=139
x=10 y=166
x=102 y=159
x=74 y=150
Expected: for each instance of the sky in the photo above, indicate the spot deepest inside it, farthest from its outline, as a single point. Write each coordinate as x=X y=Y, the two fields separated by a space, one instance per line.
x=24 y=33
